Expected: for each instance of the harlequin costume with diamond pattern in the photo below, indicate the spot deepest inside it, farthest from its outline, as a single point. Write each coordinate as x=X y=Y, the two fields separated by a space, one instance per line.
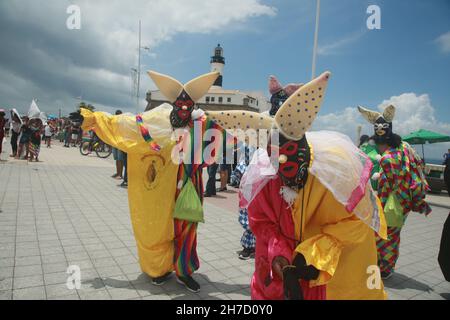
x=401 y=174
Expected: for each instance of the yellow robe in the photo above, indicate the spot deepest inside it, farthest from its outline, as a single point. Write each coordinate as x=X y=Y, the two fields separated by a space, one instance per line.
x=337 y=243
x=152 y=183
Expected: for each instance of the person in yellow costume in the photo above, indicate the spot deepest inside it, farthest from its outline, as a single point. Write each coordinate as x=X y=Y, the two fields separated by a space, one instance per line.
x=157 y=183
x=316 y=215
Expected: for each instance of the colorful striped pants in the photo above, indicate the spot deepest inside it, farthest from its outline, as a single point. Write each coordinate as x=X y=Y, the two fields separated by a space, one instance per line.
x=185 y=259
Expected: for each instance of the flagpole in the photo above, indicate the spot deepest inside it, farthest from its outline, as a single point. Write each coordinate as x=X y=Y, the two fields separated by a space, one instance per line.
x=316 y=39
x=139 y=71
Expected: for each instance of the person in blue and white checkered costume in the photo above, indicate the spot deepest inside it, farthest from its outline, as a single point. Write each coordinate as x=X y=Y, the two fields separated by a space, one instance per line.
x=248 y=240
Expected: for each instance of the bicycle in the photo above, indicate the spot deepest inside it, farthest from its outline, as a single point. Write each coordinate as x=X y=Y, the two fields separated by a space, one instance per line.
x=101 y=149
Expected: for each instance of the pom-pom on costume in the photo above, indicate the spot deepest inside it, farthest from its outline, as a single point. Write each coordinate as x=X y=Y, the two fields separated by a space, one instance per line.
x=401 y=181
x=317 y=210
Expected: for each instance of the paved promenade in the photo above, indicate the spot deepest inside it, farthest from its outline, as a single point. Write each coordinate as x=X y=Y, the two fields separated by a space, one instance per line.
x=66 y=210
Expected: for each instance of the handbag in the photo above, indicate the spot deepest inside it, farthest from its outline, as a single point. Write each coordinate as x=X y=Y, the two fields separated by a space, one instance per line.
x=188 y=206
x=393 y=212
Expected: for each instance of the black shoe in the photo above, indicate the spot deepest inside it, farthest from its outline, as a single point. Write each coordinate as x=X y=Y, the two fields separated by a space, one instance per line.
x=222 y=189
x=159 y=281
x=124 y=184
x=189 y=283
x=247 y=254
x=386 y=275
x=208 y=195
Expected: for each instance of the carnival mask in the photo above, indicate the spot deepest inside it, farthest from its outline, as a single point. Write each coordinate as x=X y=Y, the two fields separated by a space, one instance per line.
x=293 y=118
x=183 y=97
x=182 y=111
x=279 y=93
x=294 y=158
x=382 y=123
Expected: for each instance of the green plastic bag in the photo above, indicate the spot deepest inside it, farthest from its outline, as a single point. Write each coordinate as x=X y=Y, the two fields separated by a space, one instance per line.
x=188 y=206
x=393 y=212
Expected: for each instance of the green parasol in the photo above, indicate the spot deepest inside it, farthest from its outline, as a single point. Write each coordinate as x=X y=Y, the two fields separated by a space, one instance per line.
x=425 y=136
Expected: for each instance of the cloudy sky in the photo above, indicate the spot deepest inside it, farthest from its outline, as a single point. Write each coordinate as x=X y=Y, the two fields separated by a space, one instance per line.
x=407 y=62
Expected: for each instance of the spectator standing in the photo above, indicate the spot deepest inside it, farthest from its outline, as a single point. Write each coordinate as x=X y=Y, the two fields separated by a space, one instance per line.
x=67 y=133
x=16 y=125
x=2 y=128
x=119 y=158
x=447 y=170
x=48 y=135
x=24 y=139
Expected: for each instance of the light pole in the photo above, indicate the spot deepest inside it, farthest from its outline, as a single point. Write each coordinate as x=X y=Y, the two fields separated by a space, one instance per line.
x=316 y=39
x=138 y=71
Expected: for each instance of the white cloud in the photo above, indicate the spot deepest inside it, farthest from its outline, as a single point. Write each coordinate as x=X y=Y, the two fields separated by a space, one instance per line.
x=56 y=64
x=444 y=42
x=413 y=112
x=336 y=46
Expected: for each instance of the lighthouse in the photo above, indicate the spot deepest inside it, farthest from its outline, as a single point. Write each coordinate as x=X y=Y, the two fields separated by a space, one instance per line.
x=217 y=64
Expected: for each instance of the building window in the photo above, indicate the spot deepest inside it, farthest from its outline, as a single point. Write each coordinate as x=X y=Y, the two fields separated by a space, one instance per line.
x=229 y=100
x=257 y=102
x=207 y=99
x=212 y=99
x=246 y=101
x=220 y=99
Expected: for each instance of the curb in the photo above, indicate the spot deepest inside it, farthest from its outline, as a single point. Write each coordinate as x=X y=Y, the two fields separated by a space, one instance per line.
x=445 y=206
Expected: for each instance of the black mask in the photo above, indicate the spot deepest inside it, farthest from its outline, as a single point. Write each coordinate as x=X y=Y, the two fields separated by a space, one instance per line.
x=383 y=129
x=277 y=100
x=294 y=159
x=182 y=111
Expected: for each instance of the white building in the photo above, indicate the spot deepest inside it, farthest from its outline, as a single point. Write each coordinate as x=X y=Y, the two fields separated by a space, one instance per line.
x=218 y=98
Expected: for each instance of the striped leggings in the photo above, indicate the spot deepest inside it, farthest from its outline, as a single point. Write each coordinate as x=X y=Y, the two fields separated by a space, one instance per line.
x=185 y=259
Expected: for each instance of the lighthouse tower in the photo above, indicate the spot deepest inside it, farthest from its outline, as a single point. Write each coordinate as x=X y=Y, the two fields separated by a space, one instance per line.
x=217 y=64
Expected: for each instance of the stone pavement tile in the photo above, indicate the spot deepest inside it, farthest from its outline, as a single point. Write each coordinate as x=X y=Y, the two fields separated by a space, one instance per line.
x=156 y=297
x=58 y=290
x=238 y=296
x=6 y=262
x=120 y=281
x=109 y=271
x=125 y=259
x=138 y=277
x=27 y=261
x=96 y=254
x=123 y=293
x=147 y=288
x=73 y=296
x=55 y=278
x=55 y=267
x=77 y=256
x=56 y=249
x=82 y=264
x=36 y=293
x=6 y=295
x=102 y=294
x=53 y=258
x=428 y=296
x=74 y=249
x=26 y=271
x=104 y=262
x=6 y=284
x=119 y=252
x=7 y=253
x=28 y=282
x=130 y=268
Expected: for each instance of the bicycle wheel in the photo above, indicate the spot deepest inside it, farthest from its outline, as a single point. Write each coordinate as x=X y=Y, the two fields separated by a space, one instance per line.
x=103 y=150
x=84 y=148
